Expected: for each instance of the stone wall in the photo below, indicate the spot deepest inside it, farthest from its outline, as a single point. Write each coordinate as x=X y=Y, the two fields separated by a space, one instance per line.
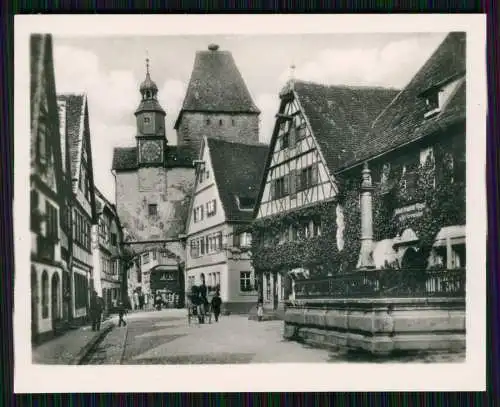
x=237 y=127
x=169 y=189
x=379 y=326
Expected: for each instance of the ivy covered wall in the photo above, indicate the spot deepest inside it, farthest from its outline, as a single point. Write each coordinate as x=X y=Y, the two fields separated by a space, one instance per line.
x=438 y=184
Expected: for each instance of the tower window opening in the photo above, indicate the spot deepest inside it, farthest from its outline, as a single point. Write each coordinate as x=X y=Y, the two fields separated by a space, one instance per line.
x=208 y=122
x=220 y=122
x=232 y=122
x=147 y=120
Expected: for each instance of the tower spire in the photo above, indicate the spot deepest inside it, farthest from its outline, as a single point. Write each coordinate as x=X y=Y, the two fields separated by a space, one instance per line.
x=147 y=62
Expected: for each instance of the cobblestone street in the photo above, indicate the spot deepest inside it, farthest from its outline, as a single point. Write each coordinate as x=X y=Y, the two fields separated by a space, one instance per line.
x=165 y=337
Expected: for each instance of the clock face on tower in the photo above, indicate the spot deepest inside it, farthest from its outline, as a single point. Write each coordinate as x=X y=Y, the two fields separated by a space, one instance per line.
x=151 y=151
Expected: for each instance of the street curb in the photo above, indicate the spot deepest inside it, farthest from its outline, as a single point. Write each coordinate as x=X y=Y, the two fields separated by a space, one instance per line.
x=84 y=352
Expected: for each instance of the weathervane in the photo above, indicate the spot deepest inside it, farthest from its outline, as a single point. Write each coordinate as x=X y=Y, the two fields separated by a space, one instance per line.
x=147 y=62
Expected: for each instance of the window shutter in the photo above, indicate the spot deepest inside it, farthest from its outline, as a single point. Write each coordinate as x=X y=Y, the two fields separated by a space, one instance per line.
x=293 y=182
x=236 y=240
x=286 y=184
x=293 y=136
x=214 y=206
x=314 y=174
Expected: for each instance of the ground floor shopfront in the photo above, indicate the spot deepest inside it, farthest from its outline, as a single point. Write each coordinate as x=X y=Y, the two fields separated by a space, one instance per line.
x=46 y=299
x=235 y=280
x=111 y=294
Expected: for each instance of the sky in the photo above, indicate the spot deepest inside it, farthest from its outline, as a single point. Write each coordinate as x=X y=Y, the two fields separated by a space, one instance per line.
x=110 y=69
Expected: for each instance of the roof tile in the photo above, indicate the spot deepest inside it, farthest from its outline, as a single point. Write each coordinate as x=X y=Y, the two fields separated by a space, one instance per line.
x=238 y=170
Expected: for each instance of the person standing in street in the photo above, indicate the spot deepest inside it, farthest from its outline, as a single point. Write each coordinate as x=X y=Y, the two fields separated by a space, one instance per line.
x=121 y=312
x=95 y=311
x=216 y=304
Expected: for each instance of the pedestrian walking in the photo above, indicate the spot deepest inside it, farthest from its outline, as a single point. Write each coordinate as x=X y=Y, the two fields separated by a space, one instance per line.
x=216 y=304
x=203 y=291
x=260 y=311
x=96 y=307
x=121 y=312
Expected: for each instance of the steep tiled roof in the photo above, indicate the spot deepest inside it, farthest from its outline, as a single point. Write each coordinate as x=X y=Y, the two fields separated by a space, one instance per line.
x=340 y=116
x=238 y=170
x=74 y=116
x=403 y=120
x=216 y=85
x=125 y=158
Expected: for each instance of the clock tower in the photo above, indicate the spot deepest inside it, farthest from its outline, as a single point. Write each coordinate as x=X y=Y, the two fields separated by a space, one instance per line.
x=150 y=119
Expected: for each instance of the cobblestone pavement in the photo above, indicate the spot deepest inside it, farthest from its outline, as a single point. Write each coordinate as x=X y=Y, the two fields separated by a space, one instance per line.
x=165 y=337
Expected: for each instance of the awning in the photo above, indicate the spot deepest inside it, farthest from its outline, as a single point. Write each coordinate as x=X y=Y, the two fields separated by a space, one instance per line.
x=456 y=235
x=299 y=272
x=383 y=252
x=407 y=238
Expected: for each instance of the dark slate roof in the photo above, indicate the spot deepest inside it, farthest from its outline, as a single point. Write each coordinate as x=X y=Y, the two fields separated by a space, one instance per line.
x=216 y=85
x=149 y=105
x=403 y=120
x=340 y=116
x=125 y=158
x=238 y=171
x=75 y=104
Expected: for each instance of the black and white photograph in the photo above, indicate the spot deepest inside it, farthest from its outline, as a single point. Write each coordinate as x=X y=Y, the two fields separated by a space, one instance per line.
x=303 y=206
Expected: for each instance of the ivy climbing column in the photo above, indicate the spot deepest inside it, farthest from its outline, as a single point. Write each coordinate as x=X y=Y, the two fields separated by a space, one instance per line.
x=365 y=253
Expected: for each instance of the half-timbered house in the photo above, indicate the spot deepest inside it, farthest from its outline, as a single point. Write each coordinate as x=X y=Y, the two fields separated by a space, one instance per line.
x=47 y=189
x=315 y=127
x=218 y=239
x=73 y=110
x=108 y=259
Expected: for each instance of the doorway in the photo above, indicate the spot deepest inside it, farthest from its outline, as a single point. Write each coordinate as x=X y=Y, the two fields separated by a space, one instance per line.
x=34 y=304
x=56 y=299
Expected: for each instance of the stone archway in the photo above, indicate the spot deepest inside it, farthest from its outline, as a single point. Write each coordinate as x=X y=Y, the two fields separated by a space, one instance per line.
x=55 y=299
x=34 y=304
x=413 y=259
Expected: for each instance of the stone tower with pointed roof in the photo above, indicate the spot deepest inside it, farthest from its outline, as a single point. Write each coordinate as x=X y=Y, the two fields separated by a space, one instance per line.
x=217 y=102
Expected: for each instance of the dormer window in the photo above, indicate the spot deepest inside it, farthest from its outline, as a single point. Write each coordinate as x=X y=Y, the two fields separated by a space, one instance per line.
x=432 y=103
x=438 y=95
x=147 y=120
x=245 y=203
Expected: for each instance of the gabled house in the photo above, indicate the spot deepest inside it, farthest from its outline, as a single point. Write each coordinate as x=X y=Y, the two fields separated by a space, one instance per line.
x=414 y=154
x=298 y=217
x=73 y=110
x=218 y=237
x=47 y=193
x=108 y=258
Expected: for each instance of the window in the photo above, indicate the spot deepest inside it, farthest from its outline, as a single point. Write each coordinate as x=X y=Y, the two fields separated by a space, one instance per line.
x=246 y=239
x=198 y=213
x=245 y=203
x=154 y=254
x=307 y=177
x=81 y=290
x=208 y=122
x=147 y=120
x=152 y=209
x=217 y=279
x=432 y=101
x=285 y=141
x=280 y=188
x=232 y=122
x=145 y=258
x=52 y=230
x=211 y=208
x=45 y=295
x=220 y=122
x=113 y=239
x=245 y=281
